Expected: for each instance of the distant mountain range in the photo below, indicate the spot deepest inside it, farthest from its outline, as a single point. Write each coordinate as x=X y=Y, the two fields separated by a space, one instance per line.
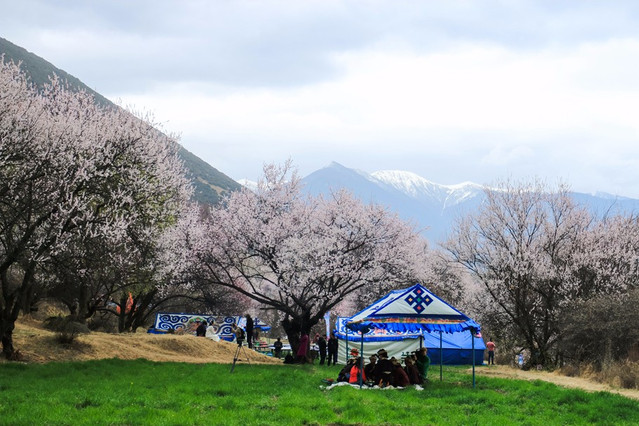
x=210 y=184
x=432 y=207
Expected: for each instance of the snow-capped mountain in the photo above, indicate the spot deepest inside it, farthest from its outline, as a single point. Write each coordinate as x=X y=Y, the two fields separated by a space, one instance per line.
x=420 y=188
x=432 y=207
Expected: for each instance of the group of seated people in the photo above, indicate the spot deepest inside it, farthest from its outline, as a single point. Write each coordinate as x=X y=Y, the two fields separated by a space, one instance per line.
x=382 y=371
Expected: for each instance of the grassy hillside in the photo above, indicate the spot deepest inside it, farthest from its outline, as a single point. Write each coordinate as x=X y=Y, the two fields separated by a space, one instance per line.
x=210 y=184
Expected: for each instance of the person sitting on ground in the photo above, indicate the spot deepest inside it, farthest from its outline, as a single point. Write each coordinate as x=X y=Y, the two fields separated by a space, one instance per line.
x=400 y=378
x=277 y=348
x=345 y=373
x=384 y=369
x=354 y=353
x=369 y=369
x=411 y=370
x=422 y=362
x=357 y=375
x=211 y=332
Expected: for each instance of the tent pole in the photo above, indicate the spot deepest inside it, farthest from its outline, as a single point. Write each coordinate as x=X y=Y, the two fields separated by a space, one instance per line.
x=421 y=340
x=361 y=361
x=346 y=346
x=441 y=357
x=472 y=338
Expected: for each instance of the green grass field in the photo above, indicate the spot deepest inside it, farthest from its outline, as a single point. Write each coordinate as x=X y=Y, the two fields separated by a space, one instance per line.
x=143 y=392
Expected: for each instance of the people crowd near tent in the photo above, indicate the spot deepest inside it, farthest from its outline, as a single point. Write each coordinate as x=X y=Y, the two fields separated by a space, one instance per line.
x=383 y=372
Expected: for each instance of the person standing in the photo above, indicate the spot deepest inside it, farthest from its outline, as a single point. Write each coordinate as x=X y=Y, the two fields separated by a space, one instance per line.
x=333 y=346
x=321 y=344
x=277 y=348
x=249 y=331
x=491 y=351
x=302 y=351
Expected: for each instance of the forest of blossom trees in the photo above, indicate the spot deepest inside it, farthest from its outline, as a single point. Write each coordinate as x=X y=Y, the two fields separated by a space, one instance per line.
x=542 y=262
x=85 y=194
x=96 y=214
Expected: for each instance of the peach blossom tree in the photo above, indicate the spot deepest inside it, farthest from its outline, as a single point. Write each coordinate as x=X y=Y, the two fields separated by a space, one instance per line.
x=304 y=255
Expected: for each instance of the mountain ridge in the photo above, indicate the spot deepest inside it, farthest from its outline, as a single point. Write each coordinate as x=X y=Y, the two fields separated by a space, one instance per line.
x=210 y=185
x=432 y=207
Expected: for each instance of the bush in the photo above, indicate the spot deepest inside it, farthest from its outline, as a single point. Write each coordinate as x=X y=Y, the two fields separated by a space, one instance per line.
x=67 y=328
x=623 y=374
x=600 y=330
x=103 y=321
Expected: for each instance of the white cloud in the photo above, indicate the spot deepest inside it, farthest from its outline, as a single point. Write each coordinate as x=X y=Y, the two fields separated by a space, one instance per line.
x=453 y=90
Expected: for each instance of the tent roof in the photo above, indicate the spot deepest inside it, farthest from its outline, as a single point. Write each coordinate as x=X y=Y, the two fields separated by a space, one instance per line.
x=414 y=309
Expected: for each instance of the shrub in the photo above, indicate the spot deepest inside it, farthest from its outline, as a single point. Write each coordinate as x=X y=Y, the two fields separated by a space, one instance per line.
x=66 y=328
x=624 y=374
x=600 y=330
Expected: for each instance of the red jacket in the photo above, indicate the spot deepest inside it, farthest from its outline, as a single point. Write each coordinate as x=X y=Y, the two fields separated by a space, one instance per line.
x=354 y=373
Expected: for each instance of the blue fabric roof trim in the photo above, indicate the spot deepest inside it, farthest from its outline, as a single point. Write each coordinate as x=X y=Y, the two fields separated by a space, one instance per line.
x=403 y=327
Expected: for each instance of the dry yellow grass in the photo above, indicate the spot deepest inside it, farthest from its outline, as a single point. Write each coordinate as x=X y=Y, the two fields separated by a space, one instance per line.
x=556 y=378
x=37 y=344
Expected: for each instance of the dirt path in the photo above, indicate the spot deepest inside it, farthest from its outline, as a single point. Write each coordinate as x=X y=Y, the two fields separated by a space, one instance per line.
x=565 y=381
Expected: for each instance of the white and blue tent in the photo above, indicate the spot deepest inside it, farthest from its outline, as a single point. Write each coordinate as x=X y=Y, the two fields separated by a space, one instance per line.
x=456 y=348
x=222 y=325
x=414 y=311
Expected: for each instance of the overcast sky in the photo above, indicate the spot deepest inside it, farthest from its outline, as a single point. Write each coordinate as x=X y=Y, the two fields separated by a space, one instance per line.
x=451 y=90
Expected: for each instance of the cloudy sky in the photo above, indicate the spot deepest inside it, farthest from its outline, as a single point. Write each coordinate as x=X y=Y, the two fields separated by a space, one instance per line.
x=451 y=90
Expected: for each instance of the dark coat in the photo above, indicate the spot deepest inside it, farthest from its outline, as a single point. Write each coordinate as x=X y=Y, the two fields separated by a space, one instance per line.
x=384 y=372
x=321 y=344
x=200 y=331
x=400 y=378
x=413 y=374
x=370 y=371
x=332 y=345
x=249 y=325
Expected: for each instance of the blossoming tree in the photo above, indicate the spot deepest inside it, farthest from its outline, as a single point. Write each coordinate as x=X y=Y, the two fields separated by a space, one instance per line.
x=304 y=255
x=72 y=170
x=519 y=246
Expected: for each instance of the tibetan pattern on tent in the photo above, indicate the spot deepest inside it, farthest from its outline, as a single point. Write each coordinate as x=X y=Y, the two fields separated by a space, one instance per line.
x=415 y=309
x=184 y=322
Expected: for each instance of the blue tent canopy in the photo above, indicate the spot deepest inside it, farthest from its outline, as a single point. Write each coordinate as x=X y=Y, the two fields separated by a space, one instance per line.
x=414 y=309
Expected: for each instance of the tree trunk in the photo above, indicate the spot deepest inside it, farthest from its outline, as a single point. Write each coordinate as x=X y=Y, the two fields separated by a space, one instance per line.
x=122 y=313
x=7 y=340
x=295 y=327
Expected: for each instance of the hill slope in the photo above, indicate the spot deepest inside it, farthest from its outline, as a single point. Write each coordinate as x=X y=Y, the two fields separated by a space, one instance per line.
x=210 y=184
x=39 y=345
